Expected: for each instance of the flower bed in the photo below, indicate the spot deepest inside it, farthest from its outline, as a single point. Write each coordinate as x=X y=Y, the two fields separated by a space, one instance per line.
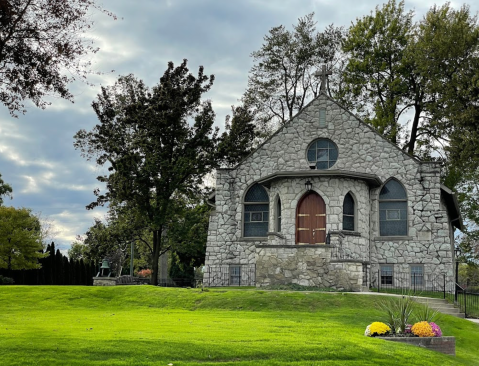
x=424 y=333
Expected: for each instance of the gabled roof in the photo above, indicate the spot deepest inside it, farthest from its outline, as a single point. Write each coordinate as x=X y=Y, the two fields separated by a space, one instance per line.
x=323 y=94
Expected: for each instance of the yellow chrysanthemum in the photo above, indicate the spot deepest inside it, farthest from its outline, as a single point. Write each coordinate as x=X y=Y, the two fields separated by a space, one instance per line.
x=422 y=329
x=378 y=328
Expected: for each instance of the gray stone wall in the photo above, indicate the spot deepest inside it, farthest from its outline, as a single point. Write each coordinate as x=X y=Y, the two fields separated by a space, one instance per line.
x=305 y=265
x=361 y=150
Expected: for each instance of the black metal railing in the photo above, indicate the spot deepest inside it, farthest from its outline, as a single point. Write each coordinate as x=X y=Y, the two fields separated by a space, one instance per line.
x=229 y=275
x=428 y=285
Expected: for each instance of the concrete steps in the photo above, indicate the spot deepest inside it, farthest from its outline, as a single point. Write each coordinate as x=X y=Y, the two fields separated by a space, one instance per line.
x=441 y=305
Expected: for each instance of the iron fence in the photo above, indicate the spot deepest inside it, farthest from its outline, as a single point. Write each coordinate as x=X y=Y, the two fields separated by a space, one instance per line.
x=428 y=285
x=229 y=275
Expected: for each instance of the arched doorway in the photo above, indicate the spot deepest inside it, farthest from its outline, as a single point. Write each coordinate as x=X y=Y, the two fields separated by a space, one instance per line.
x=311 y=220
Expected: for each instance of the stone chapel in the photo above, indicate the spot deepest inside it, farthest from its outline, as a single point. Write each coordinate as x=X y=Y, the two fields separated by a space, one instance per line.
x=326 y=201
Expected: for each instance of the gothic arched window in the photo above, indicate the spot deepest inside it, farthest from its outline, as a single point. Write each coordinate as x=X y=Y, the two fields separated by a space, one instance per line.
x=393 y=209
x=348 y=212
x=256 y=212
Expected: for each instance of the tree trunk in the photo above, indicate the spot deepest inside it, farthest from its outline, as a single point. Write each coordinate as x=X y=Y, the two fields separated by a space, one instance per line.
x=415 y=125
x=156 y=256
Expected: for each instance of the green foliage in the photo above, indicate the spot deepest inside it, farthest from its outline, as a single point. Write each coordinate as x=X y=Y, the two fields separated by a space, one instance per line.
x=398 y=312
x=239 y=137
x=20 y=239
x=376 y=76
x=43 y=49
x=425 y=313
x=5 y=190
x=6 y=280
x=282 y=80
x=187 y=237
x=430 y=67
x=159 y=143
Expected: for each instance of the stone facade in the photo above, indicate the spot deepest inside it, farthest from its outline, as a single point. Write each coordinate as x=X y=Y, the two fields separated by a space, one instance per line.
x=365 y=162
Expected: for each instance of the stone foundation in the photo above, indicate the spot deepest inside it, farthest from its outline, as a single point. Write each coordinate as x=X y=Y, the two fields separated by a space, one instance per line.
x=305 y=265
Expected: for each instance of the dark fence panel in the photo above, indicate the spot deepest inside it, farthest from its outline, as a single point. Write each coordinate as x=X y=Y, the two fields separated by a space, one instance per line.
x=428 y=285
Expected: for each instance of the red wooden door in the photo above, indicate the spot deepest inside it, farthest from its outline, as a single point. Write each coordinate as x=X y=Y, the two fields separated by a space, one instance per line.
x=311 y=220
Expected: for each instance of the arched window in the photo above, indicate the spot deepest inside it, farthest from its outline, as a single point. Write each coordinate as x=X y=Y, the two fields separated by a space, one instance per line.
x=393 y=209
x=322 y=154
x=256 y=212
x=348 y=212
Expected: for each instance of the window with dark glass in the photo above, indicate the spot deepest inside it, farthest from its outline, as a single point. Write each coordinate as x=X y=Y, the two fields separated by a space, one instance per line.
x=235 y=275
x=278 y=215
x=387 y=275
x=348 y=212
x=417 y=274
x=322 y=153
x=393 y=209
x=256 y=212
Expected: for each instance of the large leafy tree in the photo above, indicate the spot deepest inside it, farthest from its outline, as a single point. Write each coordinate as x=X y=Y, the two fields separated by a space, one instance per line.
x=283 y=79
x=396 y=66
x=20 y=239
x=377 y=74
x=42 y=49
x=157 y=142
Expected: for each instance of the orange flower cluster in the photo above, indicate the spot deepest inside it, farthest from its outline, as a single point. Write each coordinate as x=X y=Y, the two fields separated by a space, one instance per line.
x=422 y=329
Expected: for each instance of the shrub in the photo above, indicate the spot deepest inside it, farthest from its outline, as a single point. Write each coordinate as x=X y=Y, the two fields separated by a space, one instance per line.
x=422 y=329
x=6 y=280
x=377 y=329
x=425 y=314
x=398 y=312
x=145 y=273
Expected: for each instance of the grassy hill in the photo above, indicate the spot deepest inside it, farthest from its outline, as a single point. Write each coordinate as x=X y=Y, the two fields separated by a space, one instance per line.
x=144 y=325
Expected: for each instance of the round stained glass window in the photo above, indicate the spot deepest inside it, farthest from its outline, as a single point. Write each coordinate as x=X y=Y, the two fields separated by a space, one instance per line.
x=323 y=153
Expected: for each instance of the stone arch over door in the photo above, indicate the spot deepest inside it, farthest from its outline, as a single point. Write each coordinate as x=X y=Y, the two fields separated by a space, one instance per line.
x=311 y=219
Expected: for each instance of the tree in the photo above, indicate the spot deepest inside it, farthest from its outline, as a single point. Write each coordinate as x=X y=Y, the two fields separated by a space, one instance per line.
x=20 y=239
x=187 y=236
x=43 y=48
x=158 y=143
x=375 y=77
x=77 y=251
x=240 y=136
x=5 y=190
x=282 y=79
x=429 y=67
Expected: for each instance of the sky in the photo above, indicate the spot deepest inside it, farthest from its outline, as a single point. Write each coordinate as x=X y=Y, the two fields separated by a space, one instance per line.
x=37 y=157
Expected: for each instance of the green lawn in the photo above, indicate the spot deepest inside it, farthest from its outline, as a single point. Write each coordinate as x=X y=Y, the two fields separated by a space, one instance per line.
x=144 y=325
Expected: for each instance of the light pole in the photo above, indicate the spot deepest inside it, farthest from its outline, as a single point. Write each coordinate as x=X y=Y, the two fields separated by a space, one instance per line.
x=457 y=252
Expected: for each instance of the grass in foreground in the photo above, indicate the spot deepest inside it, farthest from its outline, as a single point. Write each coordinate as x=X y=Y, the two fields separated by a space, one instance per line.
x=144 y=325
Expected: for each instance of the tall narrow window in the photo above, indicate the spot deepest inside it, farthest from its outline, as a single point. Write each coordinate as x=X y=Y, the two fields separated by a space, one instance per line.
x=278 y=215
x=256 y=212
x=387 y=274
x=322 y=118
x=348 y=212
x=393 y=209
x=417 y=274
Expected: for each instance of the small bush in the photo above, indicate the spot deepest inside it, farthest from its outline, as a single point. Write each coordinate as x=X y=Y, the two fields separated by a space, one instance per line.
x=144 y=273
x=6 y=280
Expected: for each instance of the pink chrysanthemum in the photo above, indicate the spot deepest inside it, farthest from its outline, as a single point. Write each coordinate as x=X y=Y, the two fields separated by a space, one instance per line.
x=435 y=329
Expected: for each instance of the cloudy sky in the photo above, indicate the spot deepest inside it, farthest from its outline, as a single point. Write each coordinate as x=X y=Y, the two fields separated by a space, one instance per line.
x=36 y=150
